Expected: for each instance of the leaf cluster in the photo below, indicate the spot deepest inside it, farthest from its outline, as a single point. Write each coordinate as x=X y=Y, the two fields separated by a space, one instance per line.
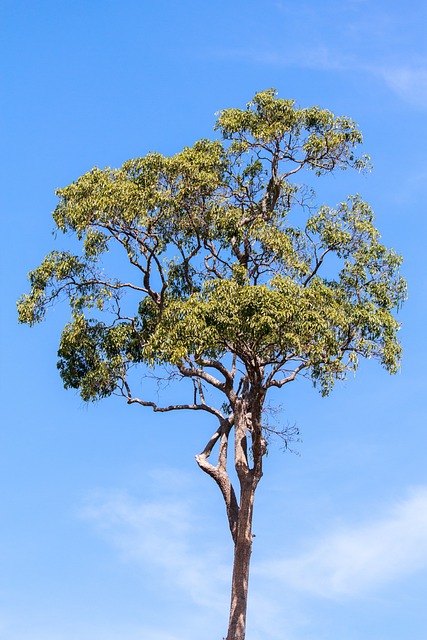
x=224 y=259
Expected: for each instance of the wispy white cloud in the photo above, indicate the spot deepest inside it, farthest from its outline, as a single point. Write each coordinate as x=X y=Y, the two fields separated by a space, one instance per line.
x=353 y=561
x=159 y=535
x=409 y=83
x=165 y=537
x=349 y=561
x=352 y=37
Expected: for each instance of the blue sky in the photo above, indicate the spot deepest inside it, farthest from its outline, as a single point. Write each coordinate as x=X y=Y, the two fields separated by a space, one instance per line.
x=108 y=528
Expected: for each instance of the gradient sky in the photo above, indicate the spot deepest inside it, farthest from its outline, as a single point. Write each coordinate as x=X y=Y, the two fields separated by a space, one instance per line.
x=108 y=529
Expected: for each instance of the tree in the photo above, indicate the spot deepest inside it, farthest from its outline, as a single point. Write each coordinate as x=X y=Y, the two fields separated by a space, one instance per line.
x=232 y=280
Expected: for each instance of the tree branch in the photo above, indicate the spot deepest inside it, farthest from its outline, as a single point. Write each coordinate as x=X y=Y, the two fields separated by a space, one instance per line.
x=126 y=393
x=280 y=383
x=219 y=472
x=192 y=371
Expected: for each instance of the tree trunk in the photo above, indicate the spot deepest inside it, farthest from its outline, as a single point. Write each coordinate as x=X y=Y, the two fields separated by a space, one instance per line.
x=242 y=556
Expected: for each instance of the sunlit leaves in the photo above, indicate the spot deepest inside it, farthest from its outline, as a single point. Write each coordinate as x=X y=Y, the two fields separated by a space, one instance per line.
x=55 y=268
x=313 y=137
x=226 y=257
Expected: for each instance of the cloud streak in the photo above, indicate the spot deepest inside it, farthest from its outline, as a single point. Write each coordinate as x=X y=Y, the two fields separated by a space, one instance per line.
x=409 y=83
x=158 y=535
x=347 y=562
x=166 y=538
x=351 y=39
x=353 y=561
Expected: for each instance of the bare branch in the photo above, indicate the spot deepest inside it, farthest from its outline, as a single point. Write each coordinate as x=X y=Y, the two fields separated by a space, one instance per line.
x=176 y=407
x=219 y=472
x=280 y=383
x=196 y=372
x=126 y=393
x=200 y=390
x=216 y=364
x=319 y=262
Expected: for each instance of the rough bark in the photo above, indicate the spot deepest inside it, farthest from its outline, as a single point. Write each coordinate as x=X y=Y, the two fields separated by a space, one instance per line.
x=246 y=422
x=244 y=419
x=219 y=472
x=242 y=556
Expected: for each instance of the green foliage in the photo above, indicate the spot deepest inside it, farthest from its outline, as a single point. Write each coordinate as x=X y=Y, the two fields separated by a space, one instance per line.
x=315 y=137
x=92 y=356
x=227 y=257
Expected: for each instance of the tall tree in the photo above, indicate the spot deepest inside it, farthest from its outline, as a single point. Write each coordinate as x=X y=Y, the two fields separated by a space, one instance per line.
x=232 y=279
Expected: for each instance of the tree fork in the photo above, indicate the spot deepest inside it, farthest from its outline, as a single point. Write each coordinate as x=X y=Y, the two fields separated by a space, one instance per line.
x=219 y=473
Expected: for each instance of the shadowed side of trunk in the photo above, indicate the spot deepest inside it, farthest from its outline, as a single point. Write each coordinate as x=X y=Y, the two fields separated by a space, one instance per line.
x=242 y=557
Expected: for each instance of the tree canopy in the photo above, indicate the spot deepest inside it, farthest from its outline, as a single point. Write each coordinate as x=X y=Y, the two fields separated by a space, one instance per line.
x=229 y=256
